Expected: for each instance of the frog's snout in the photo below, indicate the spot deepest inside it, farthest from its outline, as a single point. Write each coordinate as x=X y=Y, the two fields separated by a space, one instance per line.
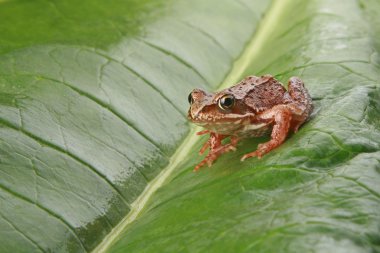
x=194 y=112
x=197 y=99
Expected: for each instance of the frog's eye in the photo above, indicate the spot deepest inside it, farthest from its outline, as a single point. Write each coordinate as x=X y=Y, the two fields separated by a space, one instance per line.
x=226 y=102
x=190 y=98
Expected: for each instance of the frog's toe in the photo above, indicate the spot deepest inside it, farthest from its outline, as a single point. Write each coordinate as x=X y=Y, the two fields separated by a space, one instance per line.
x=204 y=147
x=200 y=165
x=258 y=153
x=252 y=154
x=210 y=158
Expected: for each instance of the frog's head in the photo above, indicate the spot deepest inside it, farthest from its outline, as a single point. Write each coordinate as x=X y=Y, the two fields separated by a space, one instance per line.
x=216 y=111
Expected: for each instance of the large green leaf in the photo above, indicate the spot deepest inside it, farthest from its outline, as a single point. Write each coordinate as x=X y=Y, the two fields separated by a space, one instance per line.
x=320 y=191
x=93 y=105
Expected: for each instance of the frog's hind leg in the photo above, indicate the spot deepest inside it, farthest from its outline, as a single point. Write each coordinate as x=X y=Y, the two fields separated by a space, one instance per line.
x=282 y=117
x=301 y=105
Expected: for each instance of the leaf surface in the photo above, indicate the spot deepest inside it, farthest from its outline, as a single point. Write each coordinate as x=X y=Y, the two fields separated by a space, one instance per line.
x=93 y=105
x=319 y=191
x=93 y=111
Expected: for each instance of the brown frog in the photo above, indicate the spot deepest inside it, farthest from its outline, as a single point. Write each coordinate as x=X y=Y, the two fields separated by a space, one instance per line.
x=249 y=109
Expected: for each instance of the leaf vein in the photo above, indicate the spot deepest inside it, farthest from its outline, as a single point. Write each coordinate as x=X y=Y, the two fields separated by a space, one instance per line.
x=179 y=59
x=137 y=75
x=42 y=208
x=71 y=155
x=22 y=233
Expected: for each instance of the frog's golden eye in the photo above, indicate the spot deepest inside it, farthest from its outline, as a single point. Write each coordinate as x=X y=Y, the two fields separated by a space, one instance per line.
x=190 y=98
x=226 y=102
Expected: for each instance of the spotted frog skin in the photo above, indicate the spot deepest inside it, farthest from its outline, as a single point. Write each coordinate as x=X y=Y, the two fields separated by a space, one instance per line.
x=250 y=108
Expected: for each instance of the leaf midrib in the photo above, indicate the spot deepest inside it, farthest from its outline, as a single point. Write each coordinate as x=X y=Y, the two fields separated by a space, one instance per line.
x=251 y=50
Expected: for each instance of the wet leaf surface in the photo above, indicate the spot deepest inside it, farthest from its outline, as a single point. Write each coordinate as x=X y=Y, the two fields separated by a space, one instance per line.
x=93 y=105
x=318 y=192
x=93 y=101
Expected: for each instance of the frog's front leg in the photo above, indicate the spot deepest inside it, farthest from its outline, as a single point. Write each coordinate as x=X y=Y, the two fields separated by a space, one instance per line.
x=282 y=116
x=214 y=141
x=216 y=148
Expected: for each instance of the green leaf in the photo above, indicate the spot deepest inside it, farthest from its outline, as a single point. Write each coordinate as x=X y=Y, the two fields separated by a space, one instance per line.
x=93 y=100
x=319 y=191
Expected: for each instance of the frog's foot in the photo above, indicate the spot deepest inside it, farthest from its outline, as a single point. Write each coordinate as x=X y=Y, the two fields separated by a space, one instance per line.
x=214 y=142
x=261 y=150
x=215 y=153
x=209 y=159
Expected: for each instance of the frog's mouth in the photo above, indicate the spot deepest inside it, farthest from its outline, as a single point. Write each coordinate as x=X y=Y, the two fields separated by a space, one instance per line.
x=227 y=128
x=232 y=128
x=202 y=119
x=221 y=126
x=211 y=119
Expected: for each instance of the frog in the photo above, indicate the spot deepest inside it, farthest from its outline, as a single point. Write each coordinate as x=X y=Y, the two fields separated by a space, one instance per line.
x=253 y=107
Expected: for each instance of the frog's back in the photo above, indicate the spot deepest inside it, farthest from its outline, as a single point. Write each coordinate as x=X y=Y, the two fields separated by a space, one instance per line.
x=265 y=92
